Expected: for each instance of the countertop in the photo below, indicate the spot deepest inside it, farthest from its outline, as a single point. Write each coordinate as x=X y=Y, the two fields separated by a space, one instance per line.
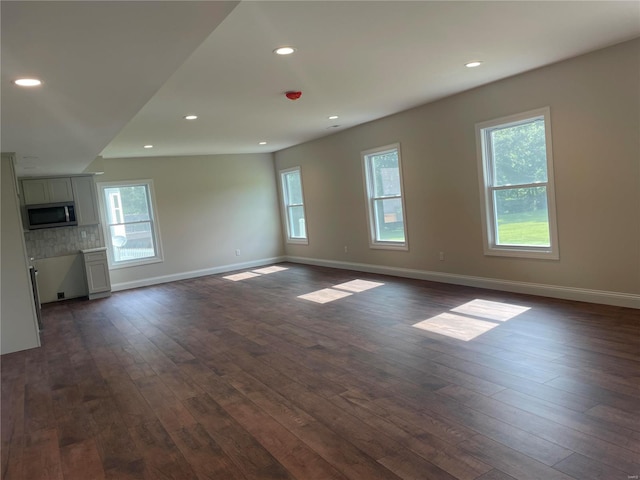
x=93 y=250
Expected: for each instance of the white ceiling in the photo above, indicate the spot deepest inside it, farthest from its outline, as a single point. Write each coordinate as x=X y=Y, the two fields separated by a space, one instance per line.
x=119 y=75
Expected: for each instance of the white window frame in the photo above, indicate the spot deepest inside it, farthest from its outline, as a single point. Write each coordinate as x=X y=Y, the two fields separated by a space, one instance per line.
x=370 y=199
x=285 y=205
x=153 y=220
x=485 y=175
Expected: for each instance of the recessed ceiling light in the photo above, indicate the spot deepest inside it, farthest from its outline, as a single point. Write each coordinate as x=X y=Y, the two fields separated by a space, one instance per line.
x=333 y=117
x=284 y=50
x=28 y=82
x=148 y=146
x=190 y=117
x=262 y=143
x=473 y=64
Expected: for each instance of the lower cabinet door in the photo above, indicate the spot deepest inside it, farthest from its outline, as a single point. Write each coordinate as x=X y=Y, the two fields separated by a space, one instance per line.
x=96 y=269
x=98 y=277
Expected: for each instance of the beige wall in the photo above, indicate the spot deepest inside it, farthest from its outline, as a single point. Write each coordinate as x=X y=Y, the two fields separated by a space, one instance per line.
x=595 y=108
x=207 y=206
x=18 y=324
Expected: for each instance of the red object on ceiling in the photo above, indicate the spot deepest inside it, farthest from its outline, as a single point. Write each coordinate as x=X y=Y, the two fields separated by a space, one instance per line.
x=293 y=95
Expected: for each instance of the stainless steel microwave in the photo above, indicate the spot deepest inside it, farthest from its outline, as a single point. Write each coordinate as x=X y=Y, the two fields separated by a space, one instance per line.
x=50 y=215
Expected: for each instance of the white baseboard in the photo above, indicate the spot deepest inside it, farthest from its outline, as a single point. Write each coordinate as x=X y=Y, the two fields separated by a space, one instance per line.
x=145 y=282
x=567 y=293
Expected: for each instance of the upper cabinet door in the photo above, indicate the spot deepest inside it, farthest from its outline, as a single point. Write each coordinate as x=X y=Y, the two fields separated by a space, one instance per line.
x=60 y=190
x=47 y=190
x=86 y=206
x=35 y=191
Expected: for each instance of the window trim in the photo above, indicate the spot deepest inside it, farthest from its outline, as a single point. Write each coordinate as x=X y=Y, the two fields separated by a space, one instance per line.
x=369 y=199
x=485 y=174
x=284 y=206
x=153 y=214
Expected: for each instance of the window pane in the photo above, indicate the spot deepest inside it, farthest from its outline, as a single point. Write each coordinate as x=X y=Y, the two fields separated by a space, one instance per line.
x=386 y=174
x=134 y=203
x=127 y=204
x=131 y=242
x=112 y=203
x=389 y=220
x=297 y=228
x=522 y=217
x=293 y=186
x=519 y=153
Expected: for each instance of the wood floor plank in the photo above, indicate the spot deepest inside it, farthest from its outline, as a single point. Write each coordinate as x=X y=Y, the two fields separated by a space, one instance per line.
x=500 y=431
x=169 y=409
x=162 y=458
x=615 y=416
x=409 y=466
x=81 y=461
x=412 y=436
x=597 y=426
x=205 y=456
x=211 y=378
x=495 y=474
x=510 y=461
x=131 y=405
x=117 y=450
x=245 y=451
x=577 y=400
x=12 y=403
x=42 y=456
x=76 y=426
x=567 y=438
x=579 y=466
x=288 y=449
x=361 y=435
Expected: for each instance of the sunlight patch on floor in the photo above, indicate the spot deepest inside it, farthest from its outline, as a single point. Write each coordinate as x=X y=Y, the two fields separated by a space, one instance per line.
x=357 y=286
x=471 y=320
x=339 y=291
x=241 y=276
x=325 y=295
x=268 y=270
x=254 y=273
x=498 y=311
x=456 y=326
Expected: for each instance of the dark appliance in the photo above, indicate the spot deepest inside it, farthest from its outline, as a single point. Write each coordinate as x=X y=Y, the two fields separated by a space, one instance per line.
x=50 y=215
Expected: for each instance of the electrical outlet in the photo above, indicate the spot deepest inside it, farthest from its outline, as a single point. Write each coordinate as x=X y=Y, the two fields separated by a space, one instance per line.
x=83 y=234
x=60 y=295
x=441 y=256
x=346 y=250
x=237 y=252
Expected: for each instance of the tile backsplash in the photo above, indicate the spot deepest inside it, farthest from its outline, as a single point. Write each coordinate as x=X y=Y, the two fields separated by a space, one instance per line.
x=55 y=242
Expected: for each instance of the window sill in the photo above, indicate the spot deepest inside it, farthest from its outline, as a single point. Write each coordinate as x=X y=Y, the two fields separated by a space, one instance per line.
x=389 y=246
x=135 y=263
x=522 y=252
x=298 y=241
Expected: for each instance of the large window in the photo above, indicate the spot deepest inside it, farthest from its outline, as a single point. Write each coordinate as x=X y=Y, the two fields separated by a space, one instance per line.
x=516 y=180
x=130 y=226
x=385 y=203
x=293 y=205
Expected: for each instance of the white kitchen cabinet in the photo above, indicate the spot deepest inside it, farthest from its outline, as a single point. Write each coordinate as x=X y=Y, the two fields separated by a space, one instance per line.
x=97 y=272
x=84 y=192
x=47 y=190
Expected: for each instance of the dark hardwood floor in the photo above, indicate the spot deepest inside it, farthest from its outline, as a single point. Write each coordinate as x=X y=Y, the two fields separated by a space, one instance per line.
x=218 y=378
